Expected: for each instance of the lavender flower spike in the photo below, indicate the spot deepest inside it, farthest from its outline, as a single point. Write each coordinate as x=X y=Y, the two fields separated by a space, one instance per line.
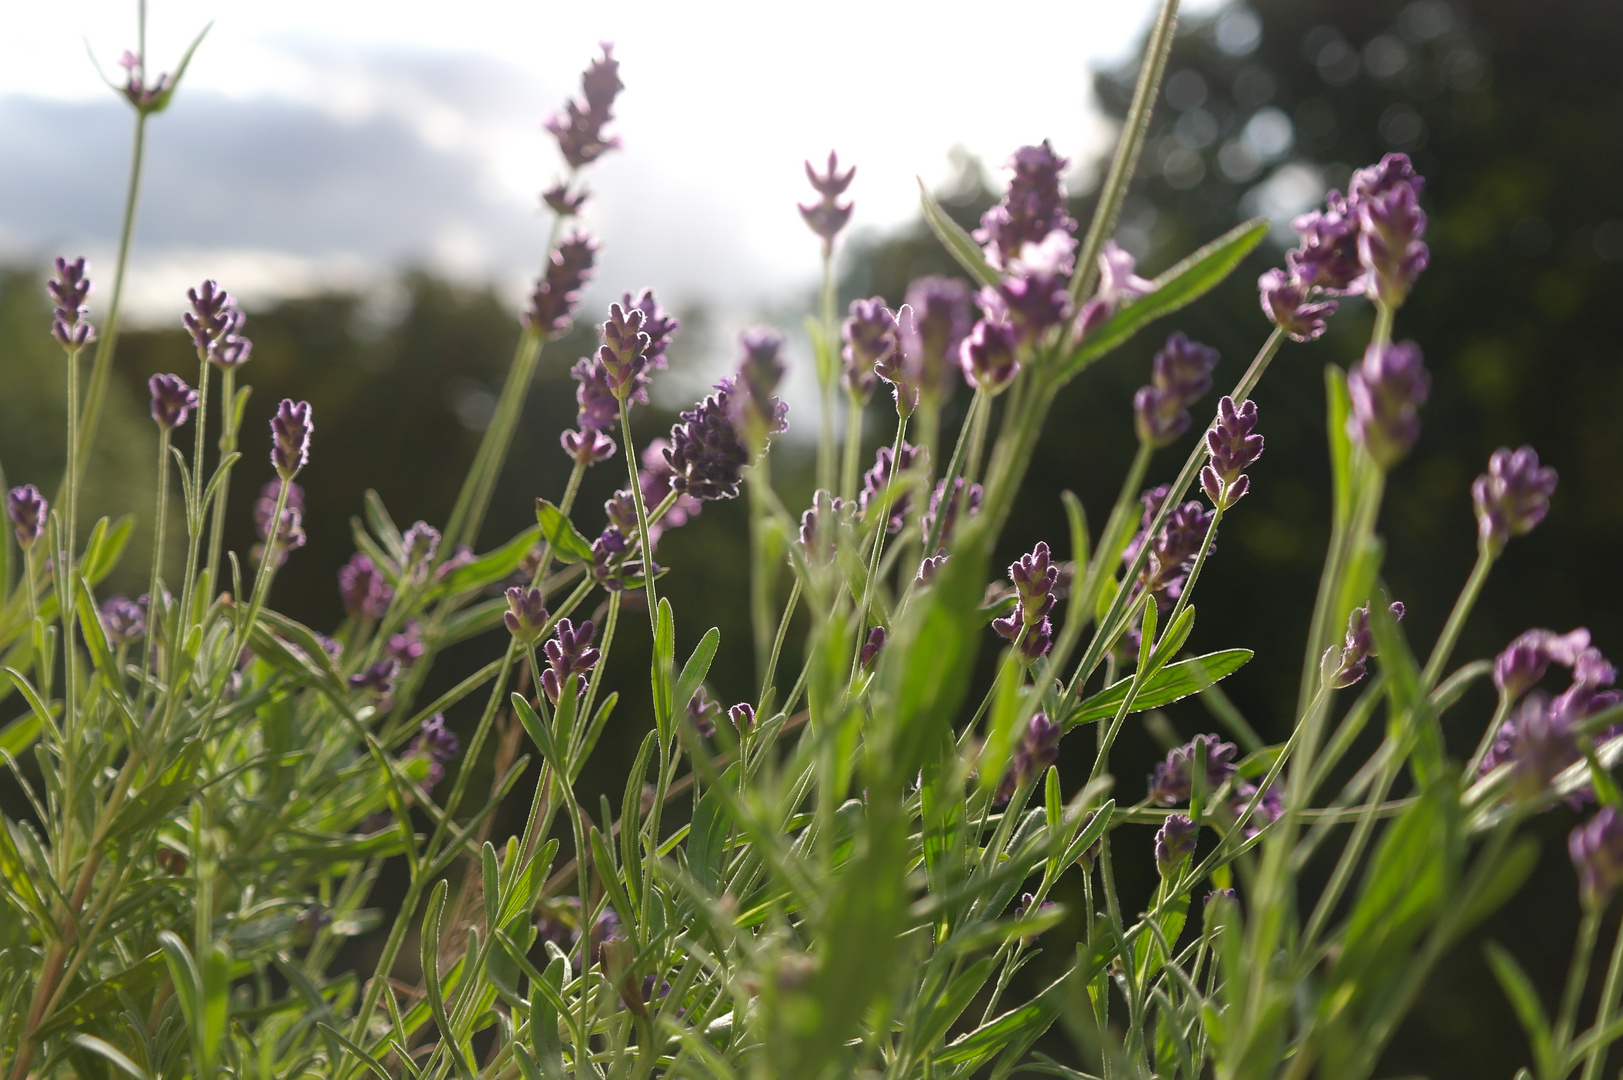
x=526 y=615
x=828 y=215
x=69 y=288
x=172 y=400
x=289 y=532
x=1035 y=577
x=1596 y=848
x=756 y=413
x=931 y=338
x=1175 y=842
x=1173 y=780
x=569 y=655
x=578 y=127
x=438 y=744
x=1512 y=497
x=988 y=356
x=28 y=510
x=1327 y=257
x=706 y=457
x=123 y=619
x=871 y=344
x=1360 y=646
x=1033 y=208
x=1038 y=748
x=1291 y=306
x=212 y=314
x=624 y=353
x=877 y=480
x=363 y=589
x=1390 y=225
x=1234 y=447
x=1180 y=375
x=290 y=437
x=1387 y=390
x=552 y=305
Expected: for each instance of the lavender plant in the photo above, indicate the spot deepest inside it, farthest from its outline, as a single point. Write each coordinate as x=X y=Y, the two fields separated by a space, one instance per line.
x=846 y=873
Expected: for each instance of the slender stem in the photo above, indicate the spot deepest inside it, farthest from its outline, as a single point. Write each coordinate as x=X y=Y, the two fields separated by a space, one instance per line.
x=853 y=447
x=827 y=375
x=228 y=446
x=155 y=605
x=1583 y=949
x=642 y=519
x=761 y=574
x=777 y=643
x=1456 y=619
x=1608 y=1006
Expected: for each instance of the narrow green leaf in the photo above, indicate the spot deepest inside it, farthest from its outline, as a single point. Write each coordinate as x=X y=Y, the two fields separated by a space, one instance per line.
x=697 y=667
x=381 y=522
x=491 y=876
x=20 y=883
x=631 y=818
x=707 y=839
x=609 y=875
x=1338 y=405
x=372 y=1064
x=20 y=734
x=959 y=244
x=431 y=979
x=160 y=795
x=568 y=545
x=1524 y=1000
x=540 y=735
x=491 y=567
x=110 y=1053
x=184 y=977
x=1172 y=683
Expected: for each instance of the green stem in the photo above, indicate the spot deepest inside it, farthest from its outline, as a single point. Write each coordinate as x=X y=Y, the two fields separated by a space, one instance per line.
x=1456 y=619
x=777 y=644
x=853 y=447
x=1577 y=976
x=1608 y=1006
x=228 y=446
x=761 y=574
x=155 y=604
x=827 y=375
x=642 y=522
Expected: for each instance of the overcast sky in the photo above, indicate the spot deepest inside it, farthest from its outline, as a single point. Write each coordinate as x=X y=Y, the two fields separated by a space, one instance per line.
x=326 y=142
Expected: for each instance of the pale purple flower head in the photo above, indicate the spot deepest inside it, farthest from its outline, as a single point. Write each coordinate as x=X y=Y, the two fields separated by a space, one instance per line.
x=578 y=127
x=929 y=568
x=1391 y=224
x=1327 y=257
x=406 y=644
x=1175 y=842
x=1180 y=375
x=69 y=289
x=1119 y=284
x=1359 y=647
x=821 y=524
x=871 y=345
x=552 y=305
x=563 y=201
x=871 y=647
x=1387 y=390
x=1233 y=446
x=526 y=614
x=172 y=400
x=366 y=593
x=213 y=314
x=1034 y=293
x=1035 y=578
x=569 y=655
x=438 y=744
x=939 y=319
x=828 y=215
x=660 y=326
x=378 y=681
x=623 y=355
x=1037 y=749
x=1512 y=497
x=756 y=413
x=146 y=97
x=876 y=483
x=1033 y=208
x=1173 y=551
x=28 y=511
x=290 y=531
x=290 y=437
x=1596 y=848
x=124 y=620
x=702 y=712
x=742 y=715
x=1172 y=782
x=988 y=355
x=1293 y=306
x=706 y=457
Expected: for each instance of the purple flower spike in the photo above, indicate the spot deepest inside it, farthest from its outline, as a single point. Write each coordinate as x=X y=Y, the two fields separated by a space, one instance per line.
x=706 y=457
x=1035 y=577
x=1390 y=224
x=702 y=713
x=588 y=447
x=655 y=479
x=290 y=531
x=660 y=326
x=421 y=541
x=1292 y=306
x=123 y=619
x=377 y=680
x=1360 y=646
x=821 y=525
x=1033 y=208
x=1327 y=257
x=932 y=336
x=987 y=355
x=968 y=499
x=1596 y=848
x=569 y=655
x=563 y=202
x=929 y=568
x=1173 y=552
x=526 y=614
x=1268 y=810
x=757 y=414
x=1119 y=284
x=439 y=745
x=1180 y=375
x=552 y=305
x=1233 y=446
x=743 y=716
x=172 y=400
x=876 y=482
x=1175 y=842
x=1034 y=293
x=870 y=648
x=231 y=350
x=578 y=127
x=290 y=437
x=624 y=353
x=1512 y=497
x=212 y=316
x=27 y=509
x=1387 y=390
x=70 y=288
x=406 y=646
x=1037 y=749
x=871 y=344
x=363 y=589
x=1172 y=782
x=828 y=215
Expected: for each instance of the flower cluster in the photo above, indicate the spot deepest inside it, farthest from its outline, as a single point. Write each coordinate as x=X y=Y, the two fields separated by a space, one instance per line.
x=706 y=457
x=290 y=437
x=756 y=413
x=438 y=744
x=1174 y=842
x=1233 y=446
x=1033 y=208
x=621 y=369
x=1387 y=390
x=366 y=593
x=526 y=614
x=871 y=345
x=1180 y=375
x=1353 y=663
x=933 y=322
x=1512 y=497
x=702 y=712
x=1596 y=848
x=578 y=127
x=1172 y=784
x=1174 y=548
x=1035 y=579
x=570 y=266
x=1037 y=750
x=569 y=655
x=123 y=620
x=213 y=316
x=289 y=532
x=69 y=289
x=828 y=215
x=172 y=401
x=28 y=511
x=876 y=493
x=1541 y=738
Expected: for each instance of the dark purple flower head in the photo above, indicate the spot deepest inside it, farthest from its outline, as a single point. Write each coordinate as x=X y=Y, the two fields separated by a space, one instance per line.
x=929 y=568
x=1359 y=647
x=69 y=288
x=578 y=126
x=1327 y=257
x=587 y=446
x=1233 y=446
x=702 y=713
x=421 y=541
x=290 y=437
x=231 y=349
x=743 y=716
x=828 y=215
x=1390 y=225
x=438 y=744
x=933 y=332
x=871 y=647
x=876 y=484
x=966 y=499
x=1596 y=848
x=1119 y=284
x=660 y=326
x=1175 y=842
x=563 y=202
x=1172 y=783
x=621 y=510
x=1268 y=810
x=871 y=342
x=526 y=614
x=290 y=532
x=363 y=588
x=172 y=400
x=213 y=314
x=406 y=645
x=1512 y=497
x=1387 y=390
x=1180 y=375
x=1033 y=208
x=569 y=654
x=1035 y=577
x=624 y=353
x=123 y=619
x=706 y=457
x=1037 y=749
x=1293 y=306
x=552 y=305
x=821 y=525
x=1172 y=553
x=756 y=413
x=1525 y=660
x=28 y=510
x=378 y=680
x=144 y=96
x=987 y=356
